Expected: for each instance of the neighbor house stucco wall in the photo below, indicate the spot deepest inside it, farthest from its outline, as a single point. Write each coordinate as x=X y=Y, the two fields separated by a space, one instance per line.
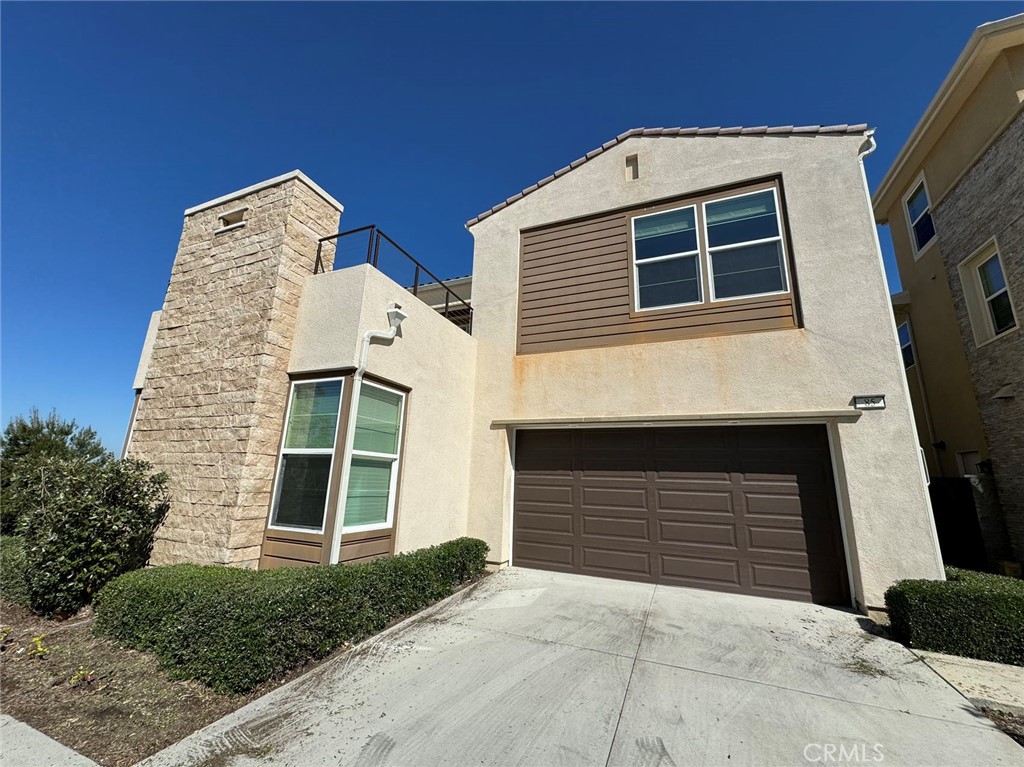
x=432 y=358
x=846 y=347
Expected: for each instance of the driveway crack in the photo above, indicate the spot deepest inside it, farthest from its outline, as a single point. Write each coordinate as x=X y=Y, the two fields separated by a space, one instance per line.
x=632 y=670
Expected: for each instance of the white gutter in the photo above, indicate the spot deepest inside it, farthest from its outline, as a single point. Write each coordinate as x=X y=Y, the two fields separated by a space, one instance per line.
x=864 y=152
x=395 y=317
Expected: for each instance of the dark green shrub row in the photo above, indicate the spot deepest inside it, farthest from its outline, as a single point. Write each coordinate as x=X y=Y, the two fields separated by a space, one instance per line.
x=13 y=585
x=233 y=629
x=90 y=521
x=972 y=614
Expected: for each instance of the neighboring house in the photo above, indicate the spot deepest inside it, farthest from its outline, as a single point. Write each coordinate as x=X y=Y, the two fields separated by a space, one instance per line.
x=954 y=202
x=667 y=340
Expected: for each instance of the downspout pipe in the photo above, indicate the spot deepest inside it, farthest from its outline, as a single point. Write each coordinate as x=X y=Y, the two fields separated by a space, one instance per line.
x=395 y=318
x=867 y=148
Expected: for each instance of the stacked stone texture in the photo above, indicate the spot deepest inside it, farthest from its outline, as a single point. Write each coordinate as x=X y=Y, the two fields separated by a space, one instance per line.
x=989 y=202
x=214 y=398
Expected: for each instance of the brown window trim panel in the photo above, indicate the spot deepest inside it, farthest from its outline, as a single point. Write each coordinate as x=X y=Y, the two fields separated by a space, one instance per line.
x=576 y=284
x=293 y=548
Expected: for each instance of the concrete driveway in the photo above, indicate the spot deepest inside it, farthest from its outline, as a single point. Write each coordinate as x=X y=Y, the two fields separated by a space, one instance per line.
x=533 y=668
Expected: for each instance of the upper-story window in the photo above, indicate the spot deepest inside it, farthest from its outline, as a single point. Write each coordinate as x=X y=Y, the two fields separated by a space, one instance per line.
x=919 y=214
x=906 y=345
x=735 y=239
x=989 y=303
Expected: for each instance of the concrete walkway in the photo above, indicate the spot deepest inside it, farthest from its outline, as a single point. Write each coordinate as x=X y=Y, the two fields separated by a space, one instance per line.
x=24 y=746
x=992 y=685
x=532 y=668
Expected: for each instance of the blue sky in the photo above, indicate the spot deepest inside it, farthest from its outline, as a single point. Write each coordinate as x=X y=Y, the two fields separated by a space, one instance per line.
x=117 y=117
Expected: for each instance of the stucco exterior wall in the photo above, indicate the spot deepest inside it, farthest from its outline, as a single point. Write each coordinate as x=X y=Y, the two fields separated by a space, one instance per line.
x=433 y=358
x=986 y=204
x=846 y=347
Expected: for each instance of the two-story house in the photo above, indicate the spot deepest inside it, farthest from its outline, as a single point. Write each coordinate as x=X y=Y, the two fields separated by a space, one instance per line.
x=674 y=362
x=954 y=203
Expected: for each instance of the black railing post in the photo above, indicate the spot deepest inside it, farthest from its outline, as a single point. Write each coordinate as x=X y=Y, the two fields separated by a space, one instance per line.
x=319 y=265
x=416 y=281
x=369 y=247
x=376 y=247
x=447 y=298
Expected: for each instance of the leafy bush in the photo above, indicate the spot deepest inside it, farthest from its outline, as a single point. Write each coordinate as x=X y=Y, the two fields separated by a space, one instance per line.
x=233 y=629
x=973 y=614
x=90 y=522
x=13 y=584
x=27 y=446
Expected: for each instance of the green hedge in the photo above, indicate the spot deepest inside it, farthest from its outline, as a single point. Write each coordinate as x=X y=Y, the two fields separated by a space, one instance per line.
x=13 y=582
x=233 y=629
x=972 y=614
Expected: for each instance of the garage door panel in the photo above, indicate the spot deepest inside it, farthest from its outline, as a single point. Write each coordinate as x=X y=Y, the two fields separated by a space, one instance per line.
x=670 y=500
x=613 y=498
x=719 y=535
x=599 y=560
x=740 y=509
x=624 y=528
x=544 y=553
x=703 y=572
x=545 y=521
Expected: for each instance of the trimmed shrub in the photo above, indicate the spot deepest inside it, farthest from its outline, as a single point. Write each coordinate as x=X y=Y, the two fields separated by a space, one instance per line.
x=92 y=521
x=27 y=446
x=976 y=615
x=233 y=629
x=13 y=585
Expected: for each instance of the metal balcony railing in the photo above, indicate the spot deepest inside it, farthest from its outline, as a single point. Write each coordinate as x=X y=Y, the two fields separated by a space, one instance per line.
x=368 y=244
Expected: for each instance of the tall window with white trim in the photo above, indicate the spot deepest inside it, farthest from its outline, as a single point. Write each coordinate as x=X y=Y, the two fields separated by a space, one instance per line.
x=666 y=259
x=996 y=295
x=744 y=237
x=906 y=344
x=920 y=216
x=307 y=454
x=373 y=477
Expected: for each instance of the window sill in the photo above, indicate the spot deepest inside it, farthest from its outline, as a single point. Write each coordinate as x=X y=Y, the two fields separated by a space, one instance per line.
x=918 y=254
x=979 y=344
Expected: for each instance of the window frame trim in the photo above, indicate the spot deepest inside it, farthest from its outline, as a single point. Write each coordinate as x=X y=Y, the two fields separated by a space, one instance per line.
x=394 y=458
x=922 y=182
x=974 y=294
x=636 y=264
x=779 y=238
x=910 y=343
x=282 y=450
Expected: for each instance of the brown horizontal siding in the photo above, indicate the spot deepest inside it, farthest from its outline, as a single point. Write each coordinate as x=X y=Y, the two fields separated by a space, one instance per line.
x=363 y=548
x=575 y=291
x=290 y=549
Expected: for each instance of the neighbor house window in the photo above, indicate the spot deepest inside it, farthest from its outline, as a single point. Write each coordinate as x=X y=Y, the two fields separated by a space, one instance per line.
x=744 y=237
x=919 y=213
x=989 y=303
x=307 y=452
x=906 y=347
x=666 y=259
x=997 y=297
x=741 y=251
x=373 y=477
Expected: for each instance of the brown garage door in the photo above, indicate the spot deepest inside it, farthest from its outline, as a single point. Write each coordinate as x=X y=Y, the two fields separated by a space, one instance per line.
x=749 y=510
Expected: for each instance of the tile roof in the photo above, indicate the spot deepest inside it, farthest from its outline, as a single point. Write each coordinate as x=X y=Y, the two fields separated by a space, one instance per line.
x=764 y=130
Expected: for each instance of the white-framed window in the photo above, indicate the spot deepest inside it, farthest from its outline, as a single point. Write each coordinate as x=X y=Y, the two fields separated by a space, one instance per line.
x=666 y=259
x=919 y=215
x=906 y=344
x=744 y=239
x=989 y=303
x=736 y=240
x=306 y=460
x=373 y=475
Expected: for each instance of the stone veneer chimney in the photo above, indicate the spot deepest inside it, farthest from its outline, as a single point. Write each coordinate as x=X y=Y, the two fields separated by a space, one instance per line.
x=214 y=395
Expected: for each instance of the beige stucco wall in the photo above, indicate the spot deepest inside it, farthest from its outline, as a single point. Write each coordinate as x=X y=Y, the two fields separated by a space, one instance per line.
x=433 y=358
x=847 y=346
